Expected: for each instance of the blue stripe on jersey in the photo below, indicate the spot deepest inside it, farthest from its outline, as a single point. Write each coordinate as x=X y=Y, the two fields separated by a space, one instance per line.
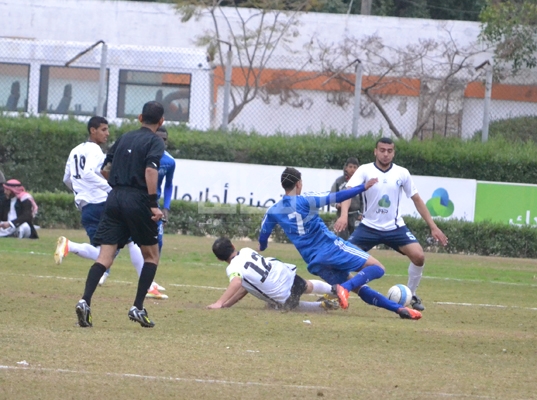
x=352 y=250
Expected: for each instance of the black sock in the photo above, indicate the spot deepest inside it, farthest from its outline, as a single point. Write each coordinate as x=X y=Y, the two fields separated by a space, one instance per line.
x=94 y=276
x=144 y=283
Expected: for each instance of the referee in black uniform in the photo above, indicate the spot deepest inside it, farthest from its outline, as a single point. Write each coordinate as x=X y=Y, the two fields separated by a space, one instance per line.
x=131 y=211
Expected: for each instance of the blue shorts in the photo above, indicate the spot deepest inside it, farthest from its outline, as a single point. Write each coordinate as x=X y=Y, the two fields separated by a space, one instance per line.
x=91 y=215
x=366 y=238
x=335 y=262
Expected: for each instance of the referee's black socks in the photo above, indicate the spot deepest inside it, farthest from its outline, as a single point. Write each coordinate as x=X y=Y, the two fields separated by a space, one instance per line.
x=149 y=271
x=94 y=276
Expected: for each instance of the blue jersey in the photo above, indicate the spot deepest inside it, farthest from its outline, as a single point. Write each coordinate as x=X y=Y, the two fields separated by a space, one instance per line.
x=299 y=218
x=166 y=170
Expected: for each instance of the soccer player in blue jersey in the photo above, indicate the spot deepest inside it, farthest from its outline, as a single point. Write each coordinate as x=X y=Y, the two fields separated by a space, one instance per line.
x=327 y=256
x=165 y=173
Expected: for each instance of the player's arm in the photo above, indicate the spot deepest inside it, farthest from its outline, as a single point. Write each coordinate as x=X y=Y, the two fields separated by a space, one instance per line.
x=107 y=163
x=90 y=173
x=232 y=295
x=168 y=190
x=343 y=195
x=343 y=220
x=152 y=163
x=267 y=225
x=426 y=215
x=67 y=175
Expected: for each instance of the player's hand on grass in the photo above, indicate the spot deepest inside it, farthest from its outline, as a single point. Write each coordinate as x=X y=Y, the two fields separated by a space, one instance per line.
x=371 y=182
x=157 y=213
x=214 y=306
x=439 y=236
x=341 y=223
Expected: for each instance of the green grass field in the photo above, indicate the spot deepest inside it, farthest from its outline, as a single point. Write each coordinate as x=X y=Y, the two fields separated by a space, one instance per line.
x=476 y=340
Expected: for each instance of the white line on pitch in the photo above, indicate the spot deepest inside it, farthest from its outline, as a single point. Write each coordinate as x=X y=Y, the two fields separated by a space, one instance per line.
x=219 y=381
x=164 y=378
x=448 y=303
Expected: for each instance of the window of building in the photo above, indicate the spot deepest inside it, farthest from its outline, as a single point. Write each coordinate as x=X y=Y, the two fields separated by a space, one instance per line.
x=69 y=90
x=14 y=87
x=170 y=89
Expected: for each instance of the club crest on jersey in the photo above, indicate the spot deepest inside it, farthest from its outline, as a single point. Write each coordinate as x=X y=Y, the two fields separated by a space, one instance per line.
x=399 y=182
x=384 y=203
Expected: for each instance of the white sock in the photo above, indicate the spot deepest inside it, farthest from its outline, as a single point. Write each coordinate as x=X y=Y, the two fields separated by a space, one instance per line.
x=320 y=287
x=84 y=250
x=414 y=277
x=309 y=306
x=137 y=259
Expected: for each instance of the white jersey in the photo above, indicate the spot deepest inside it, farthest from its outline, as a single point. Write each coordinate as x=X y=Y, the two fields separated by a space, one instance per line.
x=83 y=174
x=382 y=200
x=267 y=279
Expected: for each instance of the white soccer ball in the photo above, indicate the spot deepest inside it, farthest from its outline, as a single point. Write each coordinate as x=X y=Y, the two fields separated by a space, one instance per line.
x=401 y=294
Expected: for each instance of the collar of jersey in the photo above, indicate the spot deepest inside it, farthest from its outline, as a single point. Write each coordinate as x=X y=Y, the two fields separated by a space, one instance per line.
x=391 y=166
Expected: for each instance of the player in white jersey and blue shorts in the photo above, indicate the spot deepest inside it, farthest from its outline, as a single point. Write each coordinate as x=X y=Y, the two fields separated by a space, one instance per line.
x=326 y=255
x=268 y=279
x=382 y=222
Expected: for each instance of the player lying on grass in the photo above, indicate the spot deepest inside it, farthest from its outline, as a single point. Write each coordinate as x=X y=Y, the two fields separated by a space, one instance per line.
x=327 y=256
x=268 y=279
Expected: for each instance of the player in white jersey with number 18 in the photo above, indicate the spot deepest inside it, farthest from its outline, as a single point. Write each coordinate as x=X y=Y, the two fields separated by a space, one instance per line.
x=268 y=279
x=382 y=221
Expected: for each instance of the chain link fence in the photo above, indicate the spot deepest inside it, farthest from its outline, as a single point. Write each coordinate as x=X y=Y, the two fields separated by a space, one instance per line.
x=84 y=79
x=290 y=94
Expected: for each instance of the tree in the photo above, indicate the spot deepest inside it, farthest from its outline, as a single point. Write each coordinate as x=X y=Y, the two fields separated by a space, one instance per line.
x=254 y=29
x=511 y=25
x=435 y=71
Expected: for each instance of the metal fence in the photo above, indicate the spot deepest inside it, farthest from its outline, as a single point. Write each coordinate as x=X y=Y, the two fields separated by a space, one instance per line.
x=83 y=79
x=290 y=94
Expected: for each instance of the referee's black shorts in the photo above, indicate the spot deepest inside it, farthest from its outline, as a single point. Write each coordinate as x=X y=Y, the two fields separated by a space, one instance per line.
x=299 y=287
x=127 y=217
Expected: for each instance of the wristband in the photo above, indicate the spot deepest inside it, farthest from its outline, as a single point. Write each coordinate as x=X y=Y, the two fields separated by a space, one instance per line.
x=153 y=200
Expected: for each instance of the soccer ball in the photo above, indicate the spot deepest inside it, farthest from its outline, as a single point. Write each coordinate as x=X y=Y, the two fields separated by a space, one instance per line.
x=401 y=294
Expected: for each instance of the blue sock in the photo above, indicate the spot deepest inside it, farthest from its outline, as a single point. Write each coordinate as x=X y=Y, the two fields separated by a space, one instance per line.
x=364 y=276
x=374 y=298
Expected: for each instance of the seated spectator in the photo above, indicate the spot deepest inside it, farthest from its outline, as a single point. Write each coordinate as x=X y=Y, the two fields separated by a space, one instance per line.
x=17 y=212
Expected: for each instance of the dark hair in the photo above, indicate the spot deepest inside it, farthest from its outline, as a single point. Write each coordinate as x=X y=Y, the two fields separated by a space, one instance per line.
x=162 y=129
x=223 y=248
x=384 y=140
x=152 y=112
x=290 y=177
x=352 y=160
x=95 y=122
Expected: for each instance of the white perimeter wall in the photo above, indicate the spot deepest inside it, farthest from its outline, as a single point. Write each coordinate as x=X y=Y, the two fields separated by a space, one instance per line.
x=149 y=24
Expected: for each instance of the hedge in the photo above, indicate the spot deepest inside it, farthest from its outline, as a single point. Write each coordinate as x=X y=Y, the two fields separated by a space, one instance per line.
x=35 y=149
x=57 y=210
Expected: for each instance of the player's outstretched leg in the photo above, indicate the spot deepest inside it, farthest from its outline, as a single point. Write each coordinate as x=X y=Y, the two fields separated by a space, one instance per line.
x=104 y=277
x=408 y=313
x=377 y=299
x=83 y=313
x=329 y=304
x=416 y=304
x=141 y=317
x=62 y=248
x=153 y=292
x=342 y=295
